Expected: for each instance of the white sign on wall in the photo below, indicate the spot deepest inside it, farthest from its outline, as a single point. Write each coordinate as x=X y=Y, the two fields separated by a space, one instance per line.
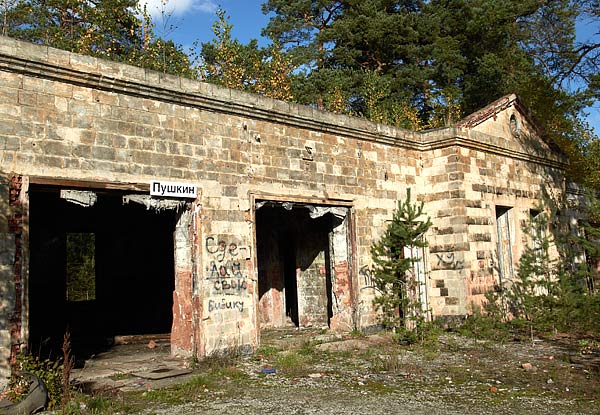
x=172 y=189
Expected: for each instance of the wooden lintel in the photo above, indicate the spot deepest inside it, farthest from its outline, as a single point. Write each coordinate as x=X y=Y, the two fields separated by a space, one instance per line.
x=315 y=200
x=89 y=184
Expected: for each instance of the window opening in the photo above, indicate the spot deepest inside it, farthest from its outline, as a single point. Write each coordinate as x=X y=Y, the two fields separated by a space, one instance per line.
x=81 y=266
x=503 y=229
x=515 y=128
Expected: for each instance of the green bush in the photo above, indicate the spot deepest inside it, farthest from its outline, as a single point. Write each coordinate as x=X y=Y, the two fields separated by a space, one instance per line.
x=49 y=371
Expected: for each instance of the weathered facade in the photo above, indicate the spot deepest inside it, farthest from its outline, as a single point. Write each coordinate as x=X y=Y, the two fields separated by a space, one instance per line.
x=289 y=200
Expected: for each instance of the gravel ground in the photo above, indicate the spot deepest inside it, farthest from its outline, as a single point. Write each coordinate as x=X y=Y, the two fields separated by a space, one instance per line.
x=317 y=400
x=317 y=374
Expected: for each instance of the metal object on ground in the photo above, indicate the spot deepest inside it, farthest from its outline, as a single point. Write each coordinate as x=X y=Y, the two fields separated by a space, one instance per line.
x=33 y=402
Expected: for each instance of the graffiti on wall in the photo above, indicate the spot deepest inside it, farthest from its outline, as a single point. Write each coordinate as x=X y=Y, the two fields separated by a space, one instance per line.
x=449 y=261
x=223 y=304
x=226 y=274
x=367 y=277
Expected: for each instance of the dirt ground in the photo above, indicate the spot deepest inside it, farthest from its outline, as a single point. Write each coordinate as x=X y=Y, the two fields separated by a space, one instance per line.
x=309 y=372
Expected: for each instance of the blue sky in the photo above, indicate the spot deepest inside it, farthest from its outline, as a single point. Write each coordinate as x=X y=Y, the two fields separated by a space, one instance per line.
x=191 y=20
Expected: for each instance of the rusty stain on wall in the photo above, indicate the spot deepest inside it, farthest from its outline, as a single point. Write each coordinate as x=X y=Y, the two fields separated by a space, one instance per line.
x=99 y=126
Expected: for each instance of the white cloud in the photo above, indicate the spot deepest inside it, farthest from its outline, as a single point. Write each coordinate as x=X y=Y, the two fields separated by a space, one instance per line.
x=206 y=6
x=178 y=7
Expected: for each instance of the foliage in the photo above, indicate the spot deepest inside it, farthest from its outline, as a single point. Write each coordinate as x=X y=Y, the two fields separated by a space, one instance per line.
x=531 y=294
x=398 y=298
x=488 y=323
x=222 y=359
x=54 y=373
x=419 y=65
x=67 y=367
x=550 y=294
x=103 y=28
x=418 y=331
x=80 y=266
x=227 y=62
x=300 y=27
x=586 y=164
x=181 y=393
x=49 y=371
x=111 y=29
x=293 y=363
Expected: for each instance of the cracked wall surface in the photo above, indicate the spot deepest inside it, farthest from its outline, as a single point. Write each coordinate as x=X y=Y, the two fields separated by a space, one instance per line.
x=67 y=117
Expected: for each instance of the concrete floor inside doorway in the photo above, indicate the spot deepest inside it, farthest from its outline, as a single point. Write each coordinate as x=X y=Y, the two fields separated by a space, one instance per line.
x=134 y=363
x=138 y=363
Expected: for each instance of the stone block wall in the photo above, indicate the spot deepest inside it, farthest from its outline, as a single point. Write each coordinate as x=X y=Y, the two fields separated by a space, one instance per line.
x=444 y=170
x=469 y=186
x=67 y=117
x=70 y=117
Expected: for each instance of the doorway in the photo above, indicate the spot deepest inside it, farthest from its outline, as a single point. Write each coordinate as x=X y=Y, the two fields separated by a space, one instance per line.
x=99 y=268
x=296 y=251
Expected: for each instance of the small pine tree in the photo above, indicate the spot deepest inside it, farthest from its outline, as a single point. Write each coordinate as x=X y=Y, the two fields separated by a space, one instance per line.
x=553 y=294
x=391 y=266
x=530 y=296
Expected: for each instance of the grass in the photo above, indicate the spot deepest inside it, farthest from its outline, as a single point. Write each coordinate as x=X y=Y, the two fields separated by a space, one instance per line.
x=120 y=376
x=193 y=390
x=219 y=374
x=221 y=359
x=293 y=364
x=266 y=351
x=99 y=404
x=378 y=387
x=388 y=363
x=307 y=349
x=472 y=366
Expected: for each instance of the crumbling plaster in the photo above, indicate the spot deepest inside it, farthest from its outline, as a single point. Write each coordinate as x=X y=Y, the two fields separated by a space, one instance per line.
x=65 y=116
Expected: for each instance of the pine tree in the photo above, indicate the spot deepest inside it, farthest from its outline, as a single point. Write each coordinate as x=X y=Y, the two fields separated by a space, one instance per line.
x=555 y=293
x=391 y=266
x=300 y=28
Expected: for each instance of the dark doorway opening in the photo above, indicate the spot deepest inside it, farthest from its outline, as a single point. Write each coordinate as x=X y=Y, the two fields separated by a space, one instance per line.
x=294 y=265
x=98 y=270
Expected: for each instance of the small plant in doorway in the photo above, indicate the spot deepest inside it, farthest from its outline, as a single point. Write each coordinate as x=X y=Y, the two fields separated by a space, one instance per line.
x=55 y=374
x=397 y=297
x=67 y=367
x=49 y=371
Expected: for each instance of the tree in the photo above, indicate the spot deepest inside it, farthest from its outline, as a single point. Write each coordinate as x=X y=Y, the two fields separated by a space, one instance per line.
x=227 y=62
x=157 y=53
x=441 y=58
x=7 y=12
x=105 y=28
x=300 y=27
x=109 y=29
x=80 y=268
x=391 y=265
x=376 y=46
x=553 y=293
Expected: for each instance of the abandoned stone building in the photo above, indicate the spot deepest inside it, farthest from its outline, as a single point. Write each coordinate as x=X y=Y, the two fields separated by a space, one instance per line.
x=134 y=202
